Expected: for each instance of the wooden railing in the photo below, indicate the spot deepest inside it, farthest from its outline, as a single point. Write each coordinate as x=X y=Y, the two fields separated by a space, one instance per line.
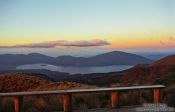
x=67 y=95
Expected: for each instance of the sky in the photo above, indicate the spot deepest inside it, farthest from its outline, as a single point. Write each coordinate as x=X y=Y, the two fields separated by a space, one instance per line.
x=86 y=25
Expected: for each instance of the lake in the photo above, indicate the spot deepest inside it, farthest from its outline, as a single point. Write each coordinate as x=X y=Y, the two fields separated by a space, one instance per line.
x=75 y=70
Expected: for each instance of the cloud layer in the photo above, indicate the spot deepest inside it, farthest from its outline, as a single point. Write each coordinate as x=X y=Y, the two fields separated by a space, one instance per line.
x=170 y=40
x=52 y=44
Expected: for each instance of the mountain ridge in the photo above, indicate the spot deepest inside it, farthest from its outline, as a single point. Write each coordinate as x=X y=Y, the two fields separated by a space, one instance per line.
x=105 y=59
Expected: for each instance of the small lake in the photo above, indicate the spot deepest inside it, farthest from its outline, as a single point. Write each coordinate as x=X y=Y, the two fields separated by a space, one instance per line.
x=75 y=70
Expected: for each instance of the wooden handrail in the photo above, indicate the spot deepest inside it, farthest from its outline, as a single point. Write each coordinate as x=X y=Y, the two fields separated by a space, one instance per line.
x=67 y=95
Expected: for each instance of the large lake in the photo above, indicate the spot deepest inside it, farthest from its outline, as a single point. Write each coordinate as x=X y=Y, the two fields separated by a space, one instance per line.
x=75 y=70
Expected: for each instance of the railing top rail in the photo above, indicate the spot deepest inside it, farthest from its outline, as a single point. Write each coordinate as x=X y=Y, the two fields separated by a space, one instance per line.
x=30 y=93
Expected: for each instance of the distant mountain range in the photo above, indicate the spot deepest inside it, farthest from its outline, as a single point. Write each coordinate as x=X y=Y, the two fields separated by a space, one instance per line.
x=159 y=72
x=106 y=59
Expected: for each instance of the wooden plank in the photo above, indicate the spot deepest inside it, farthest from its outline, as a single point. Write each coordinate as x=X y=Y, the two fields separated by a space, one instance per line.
x=115 y=99
x=79 y=90
x=156 y=95
x=18 y=104
x=67 y=102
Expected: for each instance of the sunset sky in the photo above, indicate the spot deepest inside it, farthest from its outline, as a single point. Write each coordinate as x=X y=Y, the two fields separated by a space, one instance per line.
x=82 y=24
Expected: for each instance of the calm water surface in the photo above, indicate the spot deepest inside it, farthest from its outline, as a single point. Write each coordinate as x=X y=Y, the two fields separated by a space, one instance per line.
x=75 y=70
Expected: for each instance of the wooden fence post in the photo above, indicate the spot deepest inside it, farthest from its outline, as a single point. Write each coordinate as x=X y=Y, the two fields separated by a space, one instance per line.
x=18 y=103
x=67 y=102
x=157 y=95
x=114 y=99
x=0 y=104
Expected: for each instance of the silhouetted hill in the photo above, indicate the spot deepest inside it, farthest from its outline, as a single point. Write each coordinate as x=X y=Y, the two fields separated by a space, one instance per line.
x=106 y=59
x=118 y=58
x=167 y=61
x=20 y=59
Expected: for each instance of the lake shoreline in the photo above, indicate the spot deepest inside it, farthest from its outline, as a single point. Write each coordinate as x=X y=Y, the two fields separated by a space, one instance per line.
x=75 y=70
